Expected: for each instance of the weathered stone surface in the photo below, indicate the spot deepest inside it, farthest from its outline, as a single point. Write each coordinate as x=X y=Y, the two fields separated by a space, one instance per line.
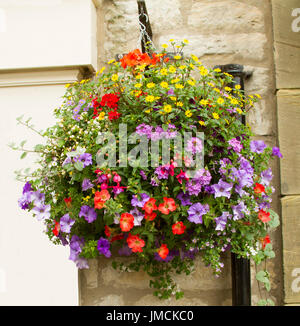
x=210 y=17
x=289 y=140
x=291 y=248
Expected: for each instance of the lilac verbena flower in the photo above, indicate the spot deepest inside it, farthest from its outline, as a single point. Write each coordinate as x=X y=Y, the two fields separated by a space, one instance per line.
x=184 y=198
x=144 y=129
x=162 y=172
x=193 y=187
x=135 y=201
x=203 y=176
x=154 y=183
x=235 y=145
x=276 y=152
x=103 y=247
x=41 y=211
x=84 y=158
x=138 y=216
x=194 y=145
x=257 y=146
x=86 y=184
x=66 y=223
x=143 y=175
x=196 y=211
x=222 y=220
x=88 y=213
x=222 y=189
x=171 y=91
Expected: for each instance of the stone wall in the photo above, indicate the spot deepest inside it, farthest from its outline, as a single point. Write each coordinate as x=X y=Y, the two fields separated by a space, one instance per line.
x=219 y=32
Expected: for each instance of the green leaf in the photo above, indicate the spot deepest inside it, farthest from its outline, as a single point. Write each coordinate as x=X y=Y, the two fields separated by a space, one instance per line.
x=274 y=219
x=78 y=166
x=261 y=276
x=23 y=155
x=23 y=143
x=38 y=147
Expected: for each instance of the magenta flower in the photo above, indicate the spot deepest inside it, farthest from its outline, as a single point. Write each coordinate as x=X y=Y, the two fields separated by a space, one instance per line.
x=194 y=145
x=235 y=144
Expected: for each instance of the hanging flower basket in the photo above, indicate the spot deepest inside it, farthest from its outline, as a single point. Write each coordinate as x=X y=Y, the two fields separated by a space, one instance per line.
x=150 y=158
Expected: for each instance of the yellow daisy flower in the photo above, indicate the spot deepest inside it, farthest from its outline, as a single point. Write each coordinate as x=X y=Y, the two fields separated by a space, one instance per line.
x=164 y=84
x=188 y=113
x=216 y=115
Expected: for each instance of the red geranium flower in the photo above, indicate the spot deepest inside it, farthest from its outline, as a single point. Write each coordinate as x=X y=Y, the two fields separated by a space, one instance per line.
x=68 y=201
x=110 y=100
x=113 y=115
x=134 y=58
x=56 y=229
x=150 y=206
x=150 y=217
x=126 y=222
x=178 y=228
x=163 y=251
x=259 y=188
x=135 y=243
x=264 y=216
x=265 y=241
x=167 y=206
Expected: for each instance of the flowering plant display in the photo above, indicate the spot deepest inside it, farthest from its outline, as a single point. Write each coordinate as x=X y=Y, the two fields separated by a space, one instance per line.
x=101 y=194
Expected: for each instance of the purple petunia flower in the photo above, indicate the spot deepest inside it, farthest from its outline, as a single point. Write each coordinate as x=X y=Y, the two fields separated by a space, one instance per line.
x=88 y=213
x=103 y=247
x=138 y=216
x=222 y=189
x=239 y=210
x=266 y=177
x=81 y=263
x=68 y=160
x=196 y=211
x=184 y=198
x=144 y=130
x=276 y=152
x=27 y=187
x=86 y=184
x=125 y=251
x=154 y=183
x=37 y=196
x=193 y=187
x=25 y=200
x=66 y=223
x=140 y=203
x=76 y=245
x=42 y=211
x=194 y=145
x=203 y=176
x=84 y=158
x=222 y=220
x=257 y=146
x=235 y=144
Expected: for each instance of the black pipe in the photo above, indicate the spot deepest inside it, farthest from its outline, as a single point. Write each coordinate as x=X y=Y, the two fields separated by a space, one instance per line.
x=240 y=267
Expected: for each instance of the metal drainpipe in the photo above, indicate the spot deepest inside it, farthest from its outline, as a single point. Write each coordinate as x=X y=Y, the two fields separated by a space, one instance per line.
x=240 y=267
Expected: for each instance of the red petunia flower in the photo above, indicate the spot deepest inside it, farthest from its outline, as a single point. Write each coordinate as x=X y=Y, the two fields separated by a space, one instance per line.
x=167 y=206
x=116 y=237
x=100 y=198
x=135 y=243
x=107 y=231
x=68 y=201
x=264 y=216
x=259 y=188
x=150 y=217
x=265 y=241
x=56 y=229
x=126 y=222
x=150 y=206
x=178 y=228
x=163 y=251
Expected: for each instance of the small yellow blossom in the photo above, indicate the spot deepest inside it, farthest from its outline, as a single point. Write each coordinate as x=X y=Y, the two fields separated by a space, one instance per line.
x=164 y=84
x=257 y=95
x=101 y=116
x=114 y=77
x=164 y=46
x=150 y=98
x=149 y=110
x=171 y=40
x=174 y=81
x=150 y=85
x=138 y=77
x=179 y=86
x=203 y=102
x=191 y=82
x=177 y=57
x=186 y=41
x=202 y=123
x=192 y=66
x=203 y=71
x=234 y=101
x=217 y=90
x=239 y=111
x=173 y=98
x=179 y=104
x=228 y=89
x=111 y=61
x=182 y=67
x=164 y=72
x=220 y=100
x=167 y=108
x=194 y=57
x=216 y=115
x=172 y=69
x=237 y=87
x=138 y=85
x=188 y=113
x=67 y=85
x=137 y=93
x=217 y=70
